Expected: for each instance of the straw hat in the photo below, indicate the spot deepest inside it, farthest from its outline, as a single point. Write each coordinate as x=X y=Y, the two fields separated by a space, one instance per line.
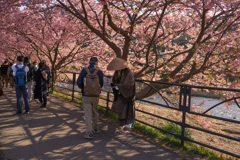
x=117 y=64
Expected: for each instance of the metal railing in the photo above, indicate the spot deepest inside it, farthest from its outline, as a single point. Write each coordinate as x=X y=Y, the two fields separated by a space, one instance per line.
x=184 y=108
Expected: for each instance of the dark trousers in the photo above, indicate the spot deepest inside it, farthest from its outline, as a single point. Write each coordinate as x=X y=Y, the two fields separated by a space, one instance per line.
x=44 y=100
x=19 y=92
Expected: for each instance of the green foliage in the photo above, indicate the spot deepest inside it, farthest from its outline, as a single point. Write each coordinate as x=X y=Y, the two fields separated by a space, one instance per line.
x=146 y=130
x=174 y=128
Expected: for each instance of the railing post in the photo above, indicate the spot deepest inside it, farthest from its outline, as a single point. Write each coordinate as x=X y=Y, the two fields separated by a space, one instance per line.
x=52 y=80
x=107 y=103
x=73 y=89
x=184 y=91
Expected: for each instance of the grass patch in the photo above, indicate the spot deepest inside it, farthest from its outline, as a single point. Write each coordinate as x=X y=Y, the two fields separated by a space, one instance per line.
x=110 y=115
x=68 y=97
x=189 y=148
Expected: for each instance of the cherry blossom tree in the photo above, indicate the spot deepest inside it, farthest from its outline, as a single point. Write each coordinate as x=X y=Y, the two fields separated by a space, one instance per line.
x=146 y=34
x=51 y=35
x=137 y=30
x=180 y=41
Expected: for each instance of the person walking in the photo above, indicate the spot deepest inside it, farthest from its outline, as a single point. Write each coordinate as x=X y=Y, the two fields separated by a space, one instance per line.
x=123 y=85
x=20 y=73
x=30 y=75
x=4 y=69
x=10 y=75
x=42 y=79
x=90 y=81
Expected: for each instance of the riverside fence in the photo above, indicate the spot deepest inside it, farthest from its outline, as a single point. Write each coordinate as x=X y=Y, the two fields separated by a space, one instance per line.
x=67 y=81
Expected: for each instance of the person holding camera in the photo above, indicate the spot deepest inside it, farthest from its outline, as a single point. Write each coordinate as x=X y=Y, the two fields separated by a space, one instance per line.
x=124 y=93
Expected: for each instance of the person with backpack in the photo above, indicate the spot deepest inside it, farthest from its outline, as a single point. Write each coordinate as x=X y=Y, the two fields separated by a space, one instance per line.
x=124 y=93
x=42 y=79
x=20 y=73
x=90 y=81
x=10 y=75
x=30 y=75
x=4 y=69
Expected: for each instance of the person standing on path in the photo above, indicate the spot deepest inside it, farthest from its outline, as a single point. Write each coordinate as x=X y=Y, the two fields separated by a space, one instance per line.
x=42 y=79
x=4 y=69
x=30 y=75
x=20 y=73
x=90 y=81
x=124 y=93
x=10 y=75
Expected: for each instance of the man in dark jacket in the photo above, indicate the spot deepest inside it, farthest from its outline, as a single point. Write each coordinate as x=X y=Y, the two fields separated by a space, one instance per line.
x=4 y=69
x=90 y=103
x=30 y=75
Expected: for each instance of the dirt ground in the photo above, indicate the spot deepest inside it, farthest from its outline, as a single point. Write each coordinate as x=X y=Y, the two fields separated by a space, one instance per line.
x=227 y=128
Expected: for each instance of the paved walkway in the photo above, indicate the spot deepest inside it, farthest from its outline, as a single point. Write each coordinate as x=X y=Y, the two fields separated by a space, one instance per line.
x=56 y=132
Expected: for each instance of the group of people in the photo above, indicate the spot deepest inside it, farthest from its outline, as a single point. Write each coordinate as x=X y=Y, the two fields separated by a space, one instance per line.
x=27 y=78
x=6 y=72
x=90 y=81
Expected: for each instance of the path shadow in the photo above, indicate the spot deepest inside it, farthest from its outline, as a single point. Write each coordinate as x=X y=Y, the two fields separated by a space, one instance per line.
x=56 y=132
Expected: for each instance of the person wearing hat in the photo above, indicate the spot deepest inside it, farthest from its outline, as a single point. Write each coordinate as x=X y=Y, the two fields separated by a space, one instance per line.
x=124 y=93
x=21 y=90
x=90 y=100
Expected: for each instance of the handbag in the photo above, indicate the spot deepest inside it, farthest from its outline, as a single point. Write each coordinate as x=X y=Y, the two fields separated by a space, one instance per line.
x=44 y=74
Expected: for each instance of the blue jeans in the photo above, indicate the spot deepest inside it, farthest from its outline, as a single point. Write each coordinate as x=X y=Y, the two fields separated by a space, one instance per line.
x=19 y=92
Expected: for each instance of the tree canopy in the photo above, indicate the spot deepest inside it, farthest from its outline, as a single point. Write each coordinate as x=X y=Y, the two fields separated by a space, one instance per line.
x=190 y=41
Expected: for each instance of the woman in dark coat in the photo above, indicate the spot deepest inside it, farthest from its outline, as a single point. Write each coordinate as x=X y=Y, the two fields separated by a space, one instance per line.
x=124 y=93
x=42 y=79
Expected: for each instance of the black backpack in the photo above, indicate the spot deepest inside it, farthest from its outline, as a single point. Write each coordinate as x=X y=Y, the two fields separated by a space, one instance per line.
x=31 y=72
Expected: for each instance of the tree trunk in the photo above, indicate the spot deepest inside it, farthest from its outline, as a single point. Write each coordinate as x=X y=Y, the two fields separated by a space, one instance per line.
x=151 y=89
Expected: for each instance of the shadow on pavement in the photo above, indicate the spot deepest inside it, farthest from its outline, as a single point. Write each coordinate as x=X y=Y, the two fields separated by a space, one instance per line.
x=56 y=132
